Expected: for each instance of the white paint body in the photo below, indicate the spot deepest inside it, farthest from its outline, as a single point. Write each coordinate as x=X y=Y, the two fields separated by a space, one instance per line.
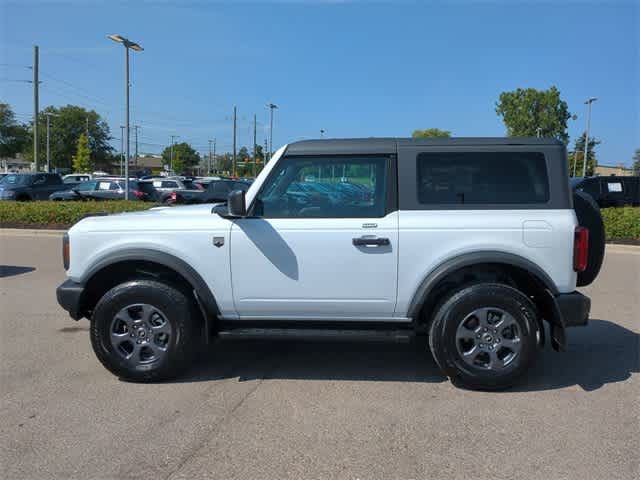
x=308 y=268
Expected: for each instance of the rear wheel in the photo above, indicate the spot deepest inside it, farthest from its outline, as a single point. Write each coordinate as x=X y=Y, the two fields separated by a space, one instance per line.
x=144 y=331
x=485 y=336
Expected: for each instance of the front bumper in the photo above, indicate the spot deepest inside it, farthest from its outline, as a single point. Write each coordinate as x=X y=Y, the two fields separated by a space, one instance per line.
x=573 y=309
x=69 y=295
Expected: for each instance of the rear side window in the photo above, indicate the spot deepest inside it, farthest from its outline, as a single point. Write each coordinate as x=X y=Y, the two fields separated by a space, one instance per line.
x=482 y=178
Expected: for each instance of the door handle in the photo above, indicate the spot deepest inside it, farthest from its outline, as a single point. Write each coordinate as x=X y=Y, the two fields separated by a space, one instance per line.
x=371 y=241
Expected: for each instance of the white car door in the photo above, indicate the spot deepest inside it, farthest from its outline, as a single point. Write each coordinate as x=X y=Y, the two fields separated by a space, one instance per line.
x=321 y=242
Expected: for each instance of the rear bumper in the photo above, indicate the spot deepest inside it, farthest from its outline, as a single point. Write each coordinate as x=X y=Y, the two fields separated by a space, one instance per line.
x=69 y=295
x=573 y=309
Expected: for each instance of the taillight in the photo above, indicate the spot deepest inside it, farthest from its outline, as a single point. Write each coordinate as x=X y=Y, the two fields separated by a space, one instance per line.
x=580 y=249
x=138 y=194
x=65 y=251
x=173 y=196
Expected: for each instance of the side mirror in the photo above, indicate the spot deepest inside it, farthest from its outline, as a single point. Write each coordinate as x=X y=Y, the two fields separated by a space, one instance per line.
x=236 y=204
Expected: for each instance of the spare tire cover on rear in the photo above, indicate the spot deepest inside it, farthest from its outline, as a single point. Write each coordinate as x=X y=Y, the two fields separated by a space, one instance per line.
x=588 y=214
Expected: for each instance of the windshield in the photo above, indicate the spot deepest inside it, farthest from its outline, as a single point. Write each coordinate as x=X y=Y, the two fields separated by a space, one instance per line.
x=16 y=179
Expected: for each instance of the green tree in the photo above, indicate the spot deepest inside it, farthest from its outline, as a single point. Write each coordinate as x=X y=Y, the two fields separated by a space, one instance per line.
x=430 y=132
x=636 y=162
x=188 y=156
x=530 y=112
x=14 y=136
x=66 y=127
x=178 y=163
x=82 y=159
x=577 y=155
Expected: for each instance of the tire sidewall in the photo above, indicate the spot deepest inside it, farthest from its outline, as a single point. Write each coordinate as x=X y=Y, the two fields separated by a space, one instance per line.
x=457 y=307
x=171 y=302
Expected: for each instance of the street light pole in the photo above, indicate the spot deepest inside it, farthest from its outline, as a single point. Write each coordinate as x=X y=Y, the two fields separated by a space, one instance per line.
x=121 y=149
x=272 y=107
x=128 y=44
x=586 y=138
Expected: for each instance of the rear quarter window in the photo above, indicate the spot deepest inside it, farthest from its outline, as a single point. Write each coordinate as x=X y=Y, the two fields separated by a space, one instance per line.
x=481 y=178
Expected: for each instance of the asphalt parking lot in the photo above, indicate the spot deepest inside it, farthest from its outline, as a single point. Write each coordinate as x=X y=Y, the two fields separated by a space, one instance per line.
x=256 y=410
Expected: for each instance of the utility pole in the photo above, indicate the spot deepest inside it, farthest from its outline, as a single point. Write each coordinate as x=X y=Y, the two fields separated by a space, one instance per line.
x=272 y=107
x=135 y=129
x=586 y=138
x=265 y=152
x=233 y=173
x=214 y=151
x=173 y=139
x=255 y=146
x=121 y=149
x=87 y=126
x=49 y=115
x=209 y=166
x=36 y=103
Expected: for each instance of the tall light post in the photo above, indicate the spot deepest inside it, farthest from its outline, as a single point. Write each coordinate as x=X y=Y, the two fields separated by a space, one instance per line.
x=586 y=138
x=127 y=44
x=272 y=107
x=49 y=115
x=121 y=149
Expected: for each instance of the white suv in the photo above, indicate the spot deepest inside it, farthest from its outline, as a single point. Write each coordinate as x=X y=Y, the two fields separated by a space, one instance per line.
x=473 y=242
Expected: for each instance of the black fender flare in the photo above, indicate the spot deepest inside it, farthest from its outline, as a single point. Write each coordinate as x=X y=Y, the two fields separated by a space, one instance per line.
x=474 y=258
x=203 y=294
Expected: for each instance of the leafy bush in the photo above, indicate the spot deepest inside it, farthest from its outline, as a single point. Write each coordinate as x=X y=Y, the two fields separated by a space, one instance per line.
x=622 y=223
x=59 y=214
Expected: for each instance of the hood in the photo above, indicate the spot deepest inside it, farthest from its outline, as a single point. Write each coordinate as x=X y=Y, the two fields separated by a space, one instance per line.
x=188 y=217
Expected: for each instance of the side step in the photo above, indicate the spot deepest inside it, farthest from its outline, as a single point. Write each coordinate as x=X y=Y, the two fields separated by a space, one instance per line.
x=349 y=335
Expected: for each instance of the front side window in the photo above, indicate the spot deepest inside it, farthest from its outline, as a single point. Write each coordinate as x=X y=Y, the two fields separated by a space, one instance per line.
x=324 y=187
x=482 y=178
x=87 y=186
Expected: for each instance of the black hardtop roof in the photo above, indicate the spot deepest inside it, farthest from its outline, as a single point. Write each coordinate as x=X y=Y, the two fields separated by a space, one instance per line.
x=390 y=145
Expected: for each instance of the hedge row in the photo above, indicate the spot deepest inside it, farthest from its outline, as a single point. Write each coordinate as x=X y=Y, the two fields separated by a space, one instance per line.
x=620 y=223
x=59 y=214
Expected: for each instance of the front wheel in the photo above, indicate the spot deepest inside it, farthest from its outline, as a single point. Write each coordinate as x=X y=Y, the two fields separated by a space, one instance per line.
x=144 y=331
x=485 y=336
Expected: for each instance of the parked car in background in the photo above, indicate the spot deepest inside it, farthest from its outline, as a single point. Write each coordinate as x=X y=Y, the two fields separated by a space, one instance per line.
x=106 y=189
x=166 y=186
x=76 y=178
x=29 y=186
x=216 y=191
x=610 y=191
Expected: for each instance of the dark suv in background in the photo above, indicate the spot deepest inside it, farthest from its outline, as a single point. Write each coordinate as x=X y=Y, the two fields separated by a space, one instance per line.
x=30 y=186
x=610 y=191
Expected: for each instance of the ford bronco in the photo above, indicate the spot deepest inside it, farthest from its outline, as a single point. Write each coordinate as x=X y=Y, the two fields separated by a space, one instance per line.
x=476 y=243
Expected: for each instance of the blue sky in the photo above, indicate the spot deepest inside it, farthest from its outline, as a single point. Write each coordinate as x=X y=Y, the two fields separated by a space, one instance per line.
x=352 y=68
